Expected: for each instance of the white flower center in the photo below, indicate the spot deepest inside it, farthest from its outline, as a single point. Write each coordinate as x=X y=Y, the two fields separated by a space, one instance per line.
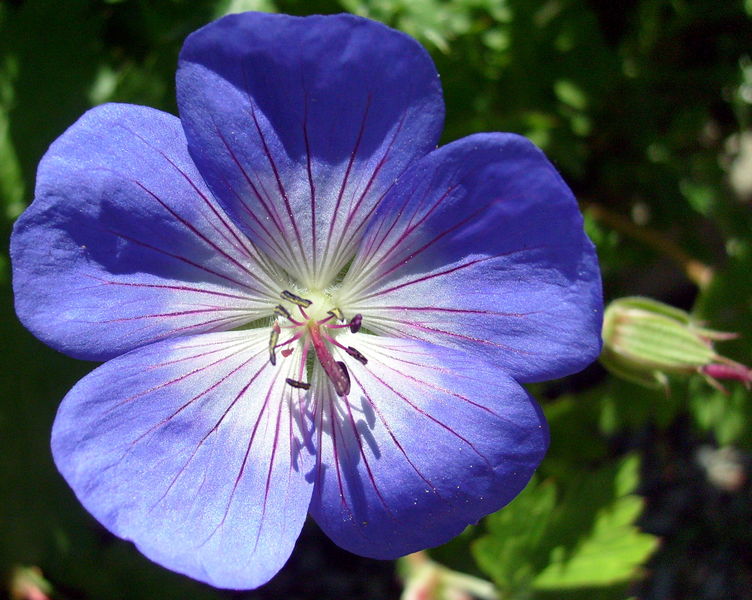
x=313 y=321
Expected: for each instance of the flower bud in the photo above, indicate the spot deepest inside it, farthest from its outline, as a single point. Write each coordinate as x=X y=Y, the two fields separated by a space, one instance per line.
x=645 y=341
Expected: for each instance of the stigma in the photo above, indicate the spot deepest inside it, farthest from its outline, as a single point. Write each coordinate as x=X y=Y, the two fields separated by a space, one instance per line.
x=316 y=328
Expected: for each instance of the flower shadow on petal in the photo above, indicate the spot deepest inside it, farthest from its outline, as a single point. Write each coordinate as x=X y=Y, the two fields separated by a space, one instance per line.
x=451 y=441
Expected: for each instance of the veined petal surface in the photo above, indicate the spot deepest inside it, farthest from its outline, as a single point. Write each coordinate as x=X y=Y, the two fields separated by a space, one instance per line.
x=300 y=125
x=428 y=440
x=480 y=246
x=196 y=450
x=124 y=245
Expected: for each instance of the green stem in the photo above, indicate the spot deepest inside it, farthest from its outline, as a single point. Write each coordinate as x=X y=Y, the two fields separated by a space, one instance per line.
x=696 y=271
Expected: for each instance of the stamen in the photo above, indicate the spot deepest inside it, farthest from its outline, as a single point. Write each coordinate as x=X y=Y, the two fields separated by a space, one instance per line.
x=356 y=355
x=337 y=314
x=346 y=378
x=286 y=352
x=356 y=322
x=341 y=326
x=273 y=338
x=301 y=385
x=282 y=312
x=302 y=302
x=303 y=358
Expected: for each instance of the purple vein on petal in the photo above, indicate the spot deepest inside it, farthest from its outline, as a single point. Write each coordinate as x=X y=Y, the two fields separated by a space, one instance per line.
x=325 y=402
x=216 y=425
x=272 y=240
x=180 y=258
x=160 y=386
x=182 y=313
x=225 y=347
x=372 y=479
x=217 y=214
x=404 y=235
x=311 y=183
x=193 y=230
x=467 y=311
x=204 y=198
x=433 y=386
x=280 y=186
x=376 y=238
x=432 y=418
x=448 y=271
x=397 y=443
x=333 y=421
x=407 y=325
x=193 y=399
x=412 y=254
x=372 y=178
x=272 y=164
x=346 y=175
x=267 y=484
x=264 y=199
x=318 y=423
x=366 y=253
x=209 y=344
x=178 y=288
x=208 y=241
x=228 y=240
x=265 y=202
x=244 y=462
x=220 y=324
x=305 y=421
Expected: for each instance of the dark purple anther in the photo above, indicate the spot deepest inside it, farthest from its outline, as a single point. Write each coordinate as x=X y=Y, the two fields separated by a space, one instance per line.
x=282 y=311
x=356 y=322
x=301 y=385
x=273 y=338
x=345 y=389
x=302 y=302
x=357 y=355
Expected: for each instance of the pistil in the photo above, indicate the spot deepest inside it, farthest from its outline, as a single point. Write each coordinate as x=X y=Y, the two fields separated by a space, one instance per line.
x=312 y=328
x=335 y=370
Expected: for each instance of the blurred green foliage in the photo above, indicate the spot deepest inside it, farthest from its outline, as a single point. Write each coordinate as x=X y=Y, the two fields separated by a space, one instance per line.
x=644 y=106
x=580 y=545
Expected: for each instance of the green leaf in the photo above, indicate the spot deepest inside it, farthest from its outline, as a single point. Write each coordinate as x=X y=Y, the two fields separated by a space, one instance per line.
x=510 y=553
x=11 y=179
x=611 y=553
x=580 y=538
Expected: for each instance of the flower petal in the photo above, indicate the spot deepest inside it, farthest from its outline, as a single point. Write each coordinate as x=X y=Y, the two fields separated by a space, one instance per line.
x=428 y=441
x=299 y=127
x=194 y=449
x=480 y=246
x=124 y=244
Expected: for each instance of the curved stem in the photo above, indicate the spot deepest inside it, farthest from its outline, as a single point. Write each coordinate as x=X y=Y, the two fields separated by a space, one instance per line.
x=696 y=271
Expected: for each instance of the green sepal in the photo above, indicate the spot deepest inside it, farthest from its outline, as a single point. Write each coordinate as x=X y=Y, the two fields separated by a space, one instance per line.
x=645 y=341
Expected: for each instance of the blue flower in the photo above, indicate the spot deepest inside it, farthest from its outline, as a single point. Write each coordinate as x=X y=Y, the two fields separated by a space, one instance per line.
x=305 y=307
